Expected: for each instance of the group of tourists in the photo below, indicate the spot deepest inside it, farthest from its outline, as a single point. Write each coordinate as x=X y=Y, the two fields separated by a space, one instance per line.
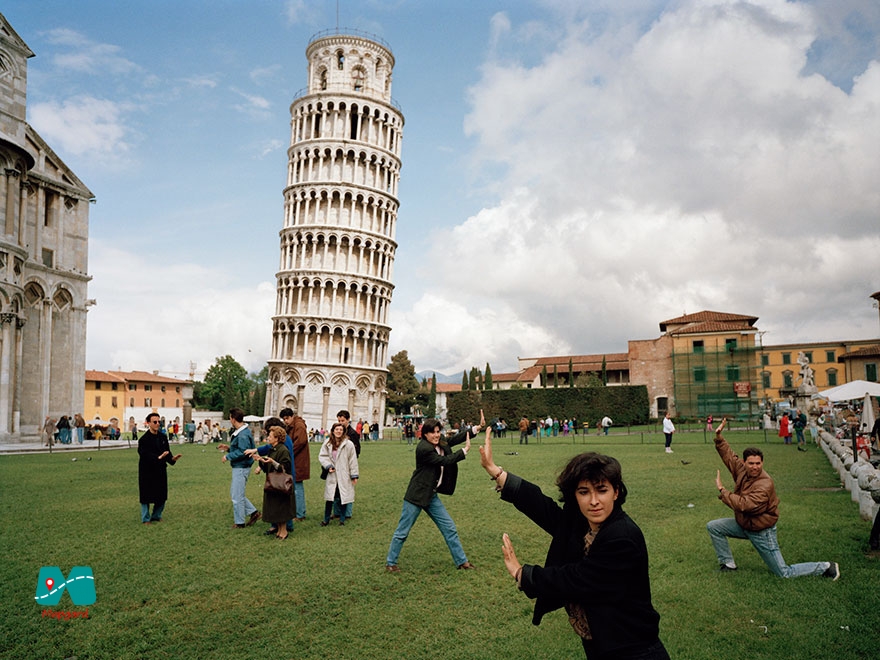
x=596 y=567
x=70 y=429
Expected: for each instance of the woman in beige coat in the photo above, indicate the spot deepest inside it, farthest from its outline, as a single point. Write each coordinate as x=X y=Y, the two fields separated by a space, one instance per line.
x=339 y=459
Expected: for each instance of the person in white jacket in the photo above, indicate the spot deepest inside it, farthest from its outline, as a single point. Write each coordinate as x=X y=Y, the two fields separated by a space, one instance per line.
x=668 y=430
x=339 y=459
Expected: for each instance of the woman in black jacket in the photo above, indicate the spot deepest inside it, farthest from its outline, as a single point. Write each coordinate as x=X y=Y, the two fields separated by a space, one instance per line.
x=597 y=564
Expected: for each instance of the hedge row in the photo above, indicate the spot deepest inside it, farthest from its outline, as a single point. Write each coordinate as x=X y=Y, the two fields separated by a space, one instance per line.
x=626 y=404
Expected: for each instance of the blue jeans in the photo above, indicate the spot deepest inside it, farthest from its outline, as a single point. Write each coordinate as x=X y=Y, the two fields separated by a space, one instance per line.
x=436 y=512
x=766 y=545
x=241 y=505
x=300 y=493
x=80 y=434
x=158 y=508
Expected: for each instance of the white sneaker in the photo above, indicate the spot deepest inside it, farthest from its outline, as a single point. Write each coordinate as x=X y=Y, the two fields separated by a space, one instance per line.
x=669 y=450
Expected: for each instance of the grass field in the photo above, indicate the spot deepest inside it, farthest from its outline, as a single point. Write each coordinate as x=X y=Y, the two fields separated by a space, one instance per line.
x=190 y=587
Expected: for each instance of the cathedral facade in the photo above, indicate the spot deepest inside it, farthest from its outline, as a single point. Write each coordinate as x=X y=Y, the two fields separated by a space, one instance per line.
x=334 y=283
x=44 y=214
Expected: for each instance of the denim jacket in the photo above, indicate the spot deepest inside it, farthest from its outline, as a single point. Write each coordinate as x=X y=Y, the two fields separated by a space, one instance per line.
x=242 y=439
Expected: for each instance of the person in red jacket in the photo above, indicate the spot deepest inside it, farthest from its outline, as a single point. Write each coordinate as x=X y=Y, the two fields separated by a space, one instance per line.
x=756 y=509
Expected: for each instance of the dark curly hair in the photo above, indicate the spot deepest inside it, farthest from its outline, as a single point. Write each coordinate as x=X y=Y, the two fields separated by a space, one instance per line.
x=591 y=467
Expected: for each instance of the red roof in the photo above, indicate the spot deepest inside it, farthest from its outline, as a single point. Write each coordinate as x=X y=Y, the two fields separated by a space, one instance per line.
x=706 y=316
x=867 y=351
x=102 y=376
x=613 y=361
x=708 y=321
x=146 y=376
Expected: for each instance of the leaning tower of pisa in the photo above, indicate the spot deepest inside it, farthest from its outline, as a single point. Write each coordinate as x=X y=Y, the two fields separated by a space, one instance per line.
x=330 y=329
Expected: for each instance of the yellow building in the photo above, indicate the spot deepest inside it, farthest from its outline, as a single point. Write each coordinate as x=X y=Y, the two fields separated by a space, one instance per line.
x=713 y=363
x=104 y=396
x=780 y=373
x=131 y=395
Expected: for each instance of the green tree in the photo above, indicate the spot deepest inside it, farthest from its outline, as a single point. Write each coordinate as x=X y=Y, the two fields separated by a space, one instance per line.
x=544 y=376
x=403 y=386
x=226 y=386
x=604 y=371
x=464 y=380
x=258 y=391
x=570 y=374
x=555 y=376
x=487 y=378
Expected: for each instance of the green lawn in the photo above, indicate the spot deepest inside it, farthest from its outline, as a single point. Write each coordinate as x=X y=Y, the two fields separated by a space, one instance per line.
x=192 y=588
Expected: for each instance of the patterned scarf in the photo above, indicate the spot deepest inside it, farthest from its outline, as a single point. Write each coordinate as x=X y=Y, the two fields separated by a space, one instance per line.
x=577 y=616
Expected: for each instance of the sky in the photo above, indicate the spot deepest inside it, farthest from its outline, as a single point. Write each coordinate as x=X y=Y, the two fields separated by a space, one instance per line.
x=574 y=171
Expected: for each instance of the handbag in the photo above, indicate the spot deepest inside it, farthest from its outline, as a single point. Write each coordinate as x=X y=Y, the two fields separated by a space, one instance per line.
x=278 y=482
x=324 y=472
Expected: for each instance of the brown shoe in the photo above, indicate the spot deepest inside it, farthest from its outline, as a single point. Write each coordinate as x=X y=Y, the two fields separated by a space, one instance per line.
x=392 y=568
x=467 y=566
x=255 y=516
x=237 y=526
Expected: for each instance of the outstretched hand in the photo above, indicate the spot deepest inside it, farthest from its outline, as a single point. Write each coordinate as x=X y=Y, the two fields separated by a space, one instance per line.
x=486 y=459
x=510 y=560
x=721 y=427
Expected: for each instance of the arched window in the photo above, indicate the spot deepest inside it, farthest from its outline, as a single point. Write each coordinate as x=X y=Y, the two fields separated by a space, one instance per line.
x=358 y=77
x=340 y=60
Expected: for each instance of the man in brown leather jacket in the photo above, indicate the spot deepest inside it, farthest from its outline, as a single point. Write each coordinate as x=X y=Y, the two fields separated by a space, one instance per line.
x=756 y=510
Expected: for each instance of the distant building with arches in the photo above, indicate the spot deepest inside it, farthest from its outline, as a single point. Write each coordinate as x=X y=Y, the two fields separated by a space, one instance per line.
x=44 y=216
x=334 y=283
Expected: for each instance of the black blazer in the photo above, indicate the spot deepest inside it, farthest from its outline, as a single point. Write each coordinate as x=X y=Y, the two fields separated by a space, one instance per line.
x=423 y=483
x=611 y=582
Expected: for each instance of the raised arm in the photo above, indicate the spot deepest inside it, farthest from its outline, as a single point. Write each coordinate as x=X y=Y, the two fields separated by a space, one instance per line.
x=496 y=473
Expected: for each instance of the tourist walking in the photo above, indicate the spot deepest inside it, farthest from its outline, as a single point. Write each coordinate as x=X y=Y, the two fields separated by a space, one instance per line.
x=244 y=513
x=63 y=427
x=668 y=430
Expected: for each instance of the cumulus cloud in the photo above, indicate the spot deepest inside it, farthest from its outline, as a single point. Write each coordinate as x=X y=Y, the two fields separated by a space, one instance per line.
x=695 y=164
x=84 y=125
x=173 y=315
x=84 y=55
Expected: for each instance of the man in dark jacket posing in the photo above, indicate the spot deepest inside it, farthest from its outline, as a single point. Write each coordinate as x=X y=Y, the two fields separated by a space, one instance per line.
x=154 y=459
x=436 y=472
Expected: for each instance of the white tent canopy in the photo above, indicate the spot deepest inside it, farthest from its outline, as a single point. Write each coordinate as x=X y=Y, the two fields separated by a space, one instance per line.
x=856 y=389
x=868 y=418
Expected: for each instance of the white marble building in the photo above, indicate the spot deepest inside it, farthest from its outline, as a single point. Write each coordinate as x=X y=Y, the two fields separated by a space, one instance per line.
x=44 y=216
x=330 y=329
